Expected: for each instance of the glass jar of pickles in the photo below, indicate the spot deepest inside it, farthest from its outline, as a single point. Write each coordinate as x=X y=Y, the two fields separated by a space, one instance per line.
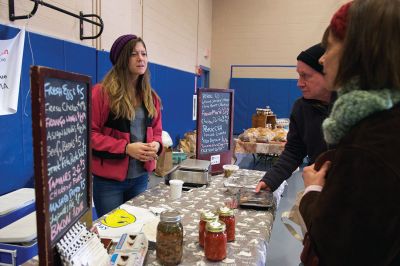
x=205 y=217
x=169 y=240
x=215 y=241
x=228 y=217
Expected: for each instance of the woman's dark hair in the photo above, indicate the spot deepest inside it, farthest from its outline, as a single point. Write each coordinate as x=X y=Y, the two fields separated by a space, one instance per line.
x=371 y=48
x=324 y=42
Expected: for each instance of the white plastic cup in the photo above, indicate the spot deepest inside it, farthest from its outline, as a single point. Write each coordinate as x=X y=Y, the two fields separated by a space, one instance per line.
x=175 y=188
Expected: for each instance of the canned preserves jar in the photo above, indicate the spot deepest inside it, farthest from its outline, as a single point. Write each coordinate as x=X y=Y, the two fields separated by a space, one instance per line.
x=205 y=217
x=215 y=241
x=169 y=240
x=228 y=217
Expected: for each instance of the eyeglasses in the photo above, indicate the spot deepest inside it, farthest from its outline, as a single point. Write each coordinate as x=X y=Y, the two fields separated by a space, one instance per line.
x=136 y=54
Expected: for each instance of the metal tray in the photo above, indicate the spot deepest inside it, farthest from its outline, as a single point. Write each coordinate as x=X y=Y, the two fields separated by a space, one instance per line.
x=195 y=165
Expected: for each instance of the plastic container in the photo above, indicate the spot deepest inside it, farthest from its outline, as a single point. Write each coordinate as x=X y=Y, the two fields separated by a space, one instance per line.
x=229 y=169
x=178 y=157
x=262 y=200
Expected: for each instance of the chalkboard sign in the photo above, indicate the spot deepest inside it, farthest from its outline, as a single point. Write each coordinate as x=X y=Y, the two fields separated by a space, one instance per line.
x=214 y=127
x=61 y=137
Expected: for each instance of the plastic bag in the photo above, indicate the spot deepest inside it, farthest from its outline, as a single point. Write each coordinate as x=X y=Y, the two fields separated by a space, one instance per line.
x=166 y=139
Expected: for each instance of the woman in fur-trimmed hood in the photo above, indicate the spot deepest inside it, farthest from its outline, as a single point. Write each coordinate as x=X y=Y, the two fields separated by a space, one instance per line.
x=351 y=204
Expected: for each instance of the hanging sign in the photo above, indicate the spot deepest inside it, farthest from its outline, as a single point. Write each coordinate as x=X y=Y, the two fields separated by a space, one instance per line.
x=11 y=53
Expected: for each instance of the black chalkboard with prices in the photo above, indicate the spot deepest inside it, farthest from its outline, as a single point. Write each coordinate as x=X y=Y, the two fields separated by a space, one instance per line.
x=61 y=138
x=214 y=127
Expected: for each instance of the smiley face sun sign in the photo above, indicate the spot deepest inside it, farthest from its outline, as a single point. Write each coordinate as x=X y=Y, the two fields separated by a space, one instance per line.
x=118 y=218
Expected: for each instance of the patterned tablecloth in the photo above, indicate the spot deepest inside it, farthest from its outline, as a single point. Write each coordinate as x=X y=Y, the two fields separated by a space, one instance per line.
x=275 y=148
x=253 y=228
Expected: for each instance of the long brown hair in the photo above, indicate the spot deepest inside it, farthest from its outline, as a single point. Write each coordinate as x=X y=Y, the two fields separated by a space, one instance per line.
x=123 y=96
x=371 y=50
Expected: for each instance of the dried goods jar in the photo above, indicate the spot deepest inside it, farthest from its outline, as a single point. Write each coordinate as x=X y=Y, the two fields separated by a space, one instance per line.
x=169 y=241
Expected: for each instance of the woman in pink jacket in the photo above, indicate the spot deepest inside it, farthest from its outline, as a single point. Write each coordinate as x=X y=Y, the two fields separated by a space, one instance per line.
x=126 y=126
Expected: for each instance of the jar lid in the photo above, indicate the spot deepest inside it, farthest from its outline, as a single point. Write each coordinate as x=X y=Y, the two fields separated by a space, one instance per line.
x=170 y=216
x=225 y=211
x=215 y=226
x=208 y=216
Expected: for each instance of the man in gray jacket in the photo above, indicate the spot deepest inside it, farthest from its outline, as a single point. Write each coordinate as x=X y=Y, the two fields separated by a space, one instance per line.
x=305 y=136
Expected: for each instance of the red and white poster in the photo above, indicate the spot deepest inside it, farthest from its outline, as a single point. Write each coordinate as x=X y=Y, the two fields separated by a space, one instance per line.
x=11 y=53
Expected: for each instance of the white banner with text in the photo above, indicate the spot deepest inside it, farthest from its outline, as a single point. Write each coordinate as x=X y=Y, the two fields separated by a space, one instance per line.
x=11 y=53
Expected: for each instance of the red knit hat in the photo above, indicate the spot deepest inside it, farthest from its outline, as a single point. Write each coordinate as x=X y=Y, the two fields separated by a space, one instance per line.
x=339 y=21
x=118 y=45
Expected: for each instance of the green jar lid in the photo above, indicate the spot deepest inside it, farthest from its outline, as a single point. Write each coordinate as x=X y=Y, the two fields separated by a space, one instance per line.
x=215 y=226
x=225 y=211
x=170 y=216
x=208 y=216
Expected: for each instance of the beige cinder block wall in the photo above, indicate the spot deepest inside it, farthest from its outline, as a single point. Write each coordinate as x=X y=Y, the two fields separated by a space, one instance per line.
x=177 y=32
x=50 y=22
x=264 y=32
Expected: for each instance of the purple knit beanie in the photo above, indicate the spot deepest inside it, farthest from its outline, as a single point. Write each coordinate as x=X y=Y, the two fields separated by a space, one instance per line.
x=118 y=45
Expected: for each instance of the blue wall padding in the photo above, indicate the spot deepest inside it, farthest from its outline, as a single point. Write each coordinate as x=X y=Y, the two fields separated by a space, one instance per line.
x=16 y=160
x=80 y=59
x=176 y=90
x=252 y=93
x=103 y=64
x=175 y=87
x=16 y=148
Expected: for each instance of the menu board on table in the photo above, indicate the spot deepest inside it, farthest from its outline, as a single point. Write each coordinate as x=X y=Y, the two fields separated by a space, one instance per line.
x=214 y=127
x=61 y=137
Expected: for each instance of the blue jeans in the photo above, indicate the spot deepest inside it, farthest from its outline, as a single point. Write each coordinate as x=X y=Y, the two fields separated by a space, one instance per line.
x=109 y=194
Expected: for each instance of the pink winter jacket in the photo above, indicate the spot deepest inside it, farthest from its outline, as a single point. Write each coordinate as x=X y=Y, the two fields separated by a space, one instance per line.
x=109 y=137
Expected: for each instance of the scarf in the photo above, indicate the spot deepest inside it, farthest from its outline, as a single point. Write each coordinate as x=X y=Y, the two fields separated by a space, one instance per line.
x=353 y=105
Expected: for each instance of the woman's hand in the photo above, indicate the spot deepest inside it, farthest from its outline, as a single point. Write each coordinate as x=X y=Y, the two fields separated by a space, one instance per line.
x=142 y=151
x=155 y=146
x=313 y=177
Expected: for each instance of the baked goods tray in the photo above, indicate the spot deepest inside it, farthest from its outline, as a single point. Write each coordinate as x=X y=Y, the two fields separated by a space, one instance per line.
x=248 y=198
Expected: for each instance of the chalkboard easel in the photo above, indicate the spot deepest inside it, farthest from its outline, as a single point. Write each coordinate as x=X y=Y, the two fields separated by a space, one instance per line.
x=214 y=127
x=61 y=143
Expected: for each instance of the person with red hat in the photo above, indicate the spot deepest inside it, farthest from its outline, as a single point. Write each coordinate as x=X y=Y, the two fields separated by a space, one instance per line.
x=126 y=126
x=351 y=200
